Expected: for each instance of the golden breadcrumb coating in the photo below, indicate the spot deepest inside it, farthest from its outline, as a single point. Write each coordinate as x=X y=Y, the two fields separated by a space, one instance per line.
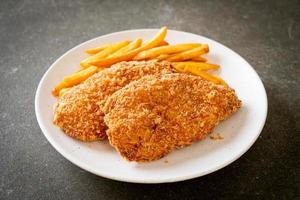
x=151 y=117
x=78 y=111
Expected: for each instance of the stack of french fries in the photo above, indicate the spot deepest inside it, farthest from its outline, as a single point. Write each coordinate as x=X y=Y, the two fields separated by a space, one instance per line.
x=186 y=58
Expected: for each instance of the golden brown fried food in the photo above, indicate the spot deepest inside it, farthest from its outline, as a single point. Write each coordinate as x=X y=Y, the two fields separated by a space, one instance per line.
x=78 y=111
x=150 y=117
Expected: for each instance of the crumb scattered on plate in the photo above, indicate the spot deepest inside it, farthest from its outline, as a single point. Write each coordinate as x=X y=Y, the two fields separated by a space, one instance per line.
x=216 y=136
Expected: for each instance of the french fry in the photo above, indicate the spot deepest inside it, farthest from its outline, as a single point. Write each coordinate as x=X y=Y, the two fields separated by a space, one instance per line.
x=106 y=62
x=60 y=86
x=199 y=59
x=205 y=75
x=102 y=54
x=163 y=43
x=186 y=55
x=80 y=76
x=75 y=79
x=63 y=91
x=99 y=68
x=97 y=49
x=179 y=68
x=133 y=45
x=156 y=40
x=197 y=65
x=169 y=49
x=161 y=57
x=165 y=56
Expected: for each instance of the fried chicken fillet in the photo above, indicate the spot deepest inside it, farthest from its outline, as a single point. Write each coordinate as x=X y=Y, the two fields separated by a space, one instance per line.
x=151 y=117
x=78 y=112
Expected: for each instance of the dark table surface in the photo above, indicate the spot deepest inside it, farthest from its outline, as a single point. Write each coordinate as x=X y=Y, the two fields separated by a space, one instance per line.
x=33 y=34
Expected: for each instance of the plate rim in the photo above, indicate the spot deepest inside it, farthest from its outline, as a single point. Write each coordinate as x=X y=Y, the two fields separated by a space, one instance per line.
x=85 y=167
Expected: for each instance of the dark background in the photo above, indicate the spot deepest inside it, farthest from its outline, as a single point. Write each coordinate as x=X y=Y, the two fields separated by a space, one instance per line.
x=33 y=34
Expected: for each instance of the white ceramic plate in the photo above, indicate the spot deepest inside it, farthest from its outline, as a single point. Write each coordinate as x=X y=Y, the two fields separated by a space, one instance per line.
x=240 y=131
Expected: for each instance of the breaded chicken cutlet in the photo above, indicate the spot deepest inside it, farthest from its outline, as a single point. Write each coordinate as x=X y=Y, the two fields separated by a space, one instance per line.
x=78 y=112
x=151 y=117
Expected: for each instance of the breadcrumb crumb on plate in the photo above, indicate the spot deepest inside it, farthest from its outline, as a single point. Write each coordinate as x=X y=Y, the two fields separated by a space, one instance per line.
x=216 y=136
x=204 y=157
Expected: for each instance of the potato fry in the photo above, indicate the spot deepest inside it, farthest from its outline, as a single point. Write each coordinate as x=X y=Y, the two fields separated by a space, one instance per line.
x=63 y=91
x=163 y=43
x=179 y=67
x=75 y=79
x=197 y=65
x=97 y=49
x=205 y=75
x=169 y=49
x=106 y=62
x=161 y=57
x=60 y=86
x=186 y=55
x=199 y=59
x=80 y=76
x=133 y=45
x=102 y=54
x=156 y=40
x=99 y=68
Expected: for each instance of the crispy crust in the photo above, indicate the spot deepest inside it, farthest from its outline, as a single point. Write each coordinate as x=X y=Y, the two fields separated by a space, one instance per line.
x=78 y=111
x=150 y=117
